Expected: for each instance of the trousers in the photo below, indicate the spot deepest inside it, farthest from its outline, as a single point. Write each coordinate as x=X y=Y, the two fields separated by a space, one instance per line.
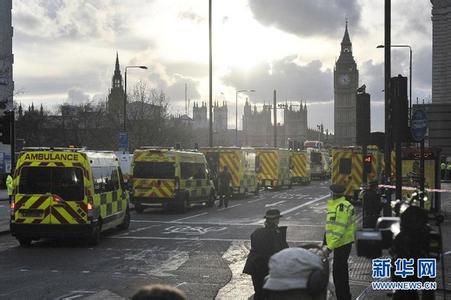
x=340 y=272
x=258 y=281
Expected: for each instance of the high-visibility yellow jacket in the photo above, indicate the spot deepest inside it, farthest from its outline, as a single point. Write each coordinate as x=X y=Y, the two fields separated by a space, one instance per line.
x=340 y=223
x=9 y=185
x=448 y=167
x=442 y=166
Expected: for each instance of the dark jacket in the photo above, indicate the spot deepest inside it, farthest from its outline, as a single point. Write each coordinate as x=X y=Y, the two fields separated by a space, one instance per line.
x=224 y=180
x=264 y=243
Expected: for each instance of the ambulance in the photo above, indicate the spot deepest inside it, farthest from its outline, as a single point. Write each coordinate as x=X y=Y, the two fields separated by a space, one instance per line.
x=349 y=164
x=170 y=178
x=241 y=164
x=67 y=193
x=319 y=163
x=273 y=167
x=300 y=167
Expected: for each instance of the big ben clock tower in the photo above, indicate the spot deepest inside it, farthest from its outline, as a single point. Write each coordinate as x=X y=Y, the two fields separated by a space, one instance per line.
x=346 y=81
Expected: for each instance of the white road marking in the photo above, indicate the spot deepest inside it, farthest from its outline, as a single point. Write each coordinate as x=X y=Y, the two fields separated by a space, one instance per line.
x=219 y=224
x=236 y=205
x=252 y=201
x=240 y=285
x=295 y=208
x=140 y=229
x=180 y=284
x=198 y=239
x=275 y=203
x=186 y=218
x=157 y=260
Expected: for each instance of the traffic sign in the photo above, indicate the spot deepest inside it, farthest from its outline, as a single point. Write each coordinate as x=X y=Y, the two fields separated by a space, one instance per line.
x=123 y=141
x=418 y=125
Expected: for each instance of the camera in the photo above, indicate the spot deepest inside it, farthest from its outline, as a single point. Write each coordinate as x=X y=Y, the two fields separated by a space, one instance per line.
x=411 y=220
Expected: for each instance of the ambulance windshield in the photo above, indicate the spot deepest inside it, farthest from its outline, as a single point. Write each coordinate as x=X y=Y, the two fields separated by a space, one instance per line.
x=66 y=182
x=154 y=170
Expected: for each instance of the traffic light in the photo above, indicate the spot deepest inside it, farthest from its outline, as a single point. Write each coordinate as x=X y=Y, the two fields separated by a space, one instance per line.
x=367 y=163
x=5 y=128
x=400 y=108
x=363 y=119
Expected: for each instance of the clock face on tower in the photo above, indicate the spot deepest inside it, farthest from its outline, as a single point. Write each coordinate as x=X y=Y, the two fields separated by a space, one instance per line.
x=344 y=80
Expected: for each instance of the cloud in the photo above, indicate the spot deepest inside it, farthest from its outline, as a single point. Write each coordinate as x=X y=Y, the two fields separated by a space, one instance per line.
x=191 y=16
x=77 y=95
x=292 y=81
x=307 y=17
x=64 y=19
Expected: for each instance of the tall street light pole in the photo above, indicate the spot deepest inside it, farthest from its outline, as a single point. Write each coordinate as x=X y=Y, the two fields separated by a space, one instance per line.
x=210 y=78
x=398 y=141
x=125 y=96
x=410 y=73
x=236 y=112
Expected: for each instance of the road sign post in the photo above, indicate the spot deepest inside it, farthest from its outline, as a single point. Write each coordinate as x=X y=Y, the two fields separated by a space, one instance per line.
x=123 y=142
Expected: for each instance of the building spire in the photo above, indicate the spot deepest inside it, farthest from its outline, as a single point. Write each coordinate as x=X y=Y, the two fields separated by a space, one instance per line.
x=346 y=40
x=117 y=77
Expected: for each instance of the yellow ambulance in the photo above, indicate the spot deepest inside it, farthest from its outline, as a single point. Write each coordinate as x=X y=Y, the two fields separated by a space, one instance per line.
x=67 y=193
x=273 y=167
x=300 y=167
x=240 y=163
x=170 y=178
x=348 y=165
x=319 y=163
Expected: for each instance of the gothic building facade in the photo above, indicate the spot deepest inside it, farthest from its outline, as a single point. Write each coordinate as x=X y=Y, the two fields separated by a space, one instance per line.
x=346 y=81
x=200 y=120
x=257 y=126
x=220 y=116
x=116 y=97
x=295 y=122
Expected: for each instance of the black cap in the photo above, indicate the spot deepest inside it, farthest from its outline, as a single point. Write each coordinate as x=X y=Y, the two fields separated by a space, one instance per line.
x=337 y=189
x=272 y=213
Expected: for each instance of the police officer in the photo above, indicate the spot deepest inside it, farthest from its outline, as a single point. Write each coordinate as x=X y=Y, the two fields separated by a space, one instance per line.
x=339 y=236
x=9 y=186
x=448 y=170
x=371 y=205
x=265 y=242
x=224 y=186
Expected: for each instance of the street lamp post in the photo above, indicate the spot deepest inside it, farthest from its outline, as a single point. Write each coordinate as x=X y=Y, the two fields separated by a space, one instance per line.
x=410 y=74
x=236 y=112
x=125 y=88
x=398 y=138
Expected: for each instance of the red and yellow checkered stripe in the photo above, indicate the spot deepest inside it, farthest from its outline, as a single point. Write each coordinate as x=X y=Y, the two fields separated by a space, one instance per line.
x=299 y=165
x=268 y=165
x=350 y=181
x=153 y=188
x=43 y=209
x=151 y=155
x=232 y=161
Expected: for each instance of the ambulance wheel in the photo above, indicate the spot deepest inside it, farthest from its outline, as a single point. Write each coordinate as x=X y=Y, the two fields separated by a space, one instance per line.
x=94 y=239
x=183 y=204
x=256 y=190
x=24 y=242
x=139 y=208
x=211 y=199
x=126 y=222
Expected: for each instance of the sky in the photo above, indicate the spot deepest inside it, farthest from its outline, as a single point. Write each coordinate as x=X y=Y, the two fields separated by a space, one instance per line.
x=64 y=50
